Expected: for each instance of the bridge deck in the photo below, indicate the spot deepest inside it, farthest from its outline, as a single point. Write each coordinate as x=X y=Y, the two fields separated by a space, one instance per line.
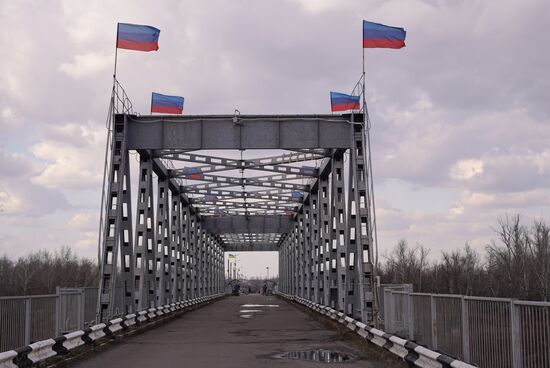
x=218 y=336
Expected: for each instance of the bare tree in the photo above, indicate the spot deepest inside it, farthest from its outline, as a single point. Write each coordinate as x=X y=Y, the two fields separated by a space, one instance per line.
x=40 y=272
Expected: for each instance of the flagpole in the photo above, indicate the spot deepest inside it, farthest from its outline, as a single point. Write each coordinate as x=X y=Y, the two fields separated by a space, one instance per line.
x=116 y=53
x=370 y=188
x=106 y=159
x=367 y=131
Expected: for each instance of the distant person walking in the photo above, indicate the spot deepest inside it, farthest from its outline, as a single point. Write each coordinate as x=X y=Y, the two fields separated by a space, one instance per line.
x=264 y=289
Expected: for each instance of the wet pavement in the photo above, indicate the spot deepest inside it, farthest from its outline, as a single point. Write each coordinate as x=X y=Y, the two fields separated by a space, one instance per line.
x=239 y=331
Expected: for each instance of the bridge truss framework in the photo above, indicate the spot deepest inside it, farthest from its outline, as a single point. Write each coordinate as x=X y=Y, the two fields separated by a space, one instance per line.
x=317 y=216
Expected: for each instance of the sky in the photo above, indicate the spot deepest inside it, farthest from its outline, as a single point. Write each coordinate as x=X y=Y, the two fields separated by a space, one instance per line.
x=460 y=116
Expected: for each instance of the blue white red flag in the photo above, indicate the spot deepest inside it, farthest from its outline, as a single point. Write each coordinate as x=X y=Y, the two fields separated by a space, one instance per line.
x=192 y=172
x=137 y=37
x=308 y=170
x=297 y=196
x=166 y=104
x=376 y=35
x=343 y=102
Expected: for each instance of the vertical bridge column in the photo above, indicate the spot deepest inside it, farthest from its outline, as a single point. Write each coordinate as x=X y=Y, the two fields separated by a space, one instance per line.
x=193 y=254
x=315 y=245
x=306 y=226
x=117 y=228
x=175 y=249
x=163 y=241
x=185 y=249
x=325 y=234
x=145 y=249
x=302 y=255
x=364 y=289
x=338 y=252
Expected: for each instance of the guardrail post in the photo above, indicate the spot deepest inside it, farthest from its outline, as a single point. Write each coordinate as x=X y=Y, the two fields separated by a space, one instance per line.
x=28 y=302
x=81 y=302
x=392 y=312
x=465 y=331
x=515 y=330
x=57 y=310
x=387 y=310
x=434 y=322
x=410 y=316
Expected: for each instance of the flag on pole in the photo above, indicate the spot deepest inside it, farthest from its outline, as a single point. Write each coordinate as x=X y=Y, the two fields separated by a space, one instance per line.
x=166 y=104
x=376 y=35
x=308 y=170
x=343 y=102
x=137 y=37
x=297 y=196
x=193 y=172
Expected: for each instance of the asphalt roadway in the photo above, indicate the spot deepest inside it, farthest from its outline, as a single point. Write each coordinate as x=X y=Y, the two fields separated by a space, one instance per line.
x=238 y=331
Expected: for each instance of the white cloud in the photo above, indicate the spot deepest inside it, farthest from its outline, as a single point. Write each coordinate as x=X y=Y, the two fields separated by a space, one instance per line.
x=83 y=221
x=513 y=200
x=21 y=198
x=466 y=169
x=8 y=113
x=87 y=64
x=10 y=203
x=73 y=156
x=317 y=6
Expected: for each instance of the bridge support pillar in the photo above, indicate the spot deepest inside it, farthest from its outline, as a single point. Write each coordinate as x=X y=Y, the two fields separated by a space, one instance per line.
x=163 y=243
x=361 y=228
x=338 y=251
x=175 y=248
x=314 y=245
x=116 y=233
x=325 y=234
x=145 y=249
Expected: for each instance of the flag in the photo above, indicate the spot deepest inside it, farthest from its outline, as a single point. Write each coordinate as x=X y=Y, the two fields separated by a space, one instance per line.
x=297 y=196
x=377 y=35
x=343 y=102
x=231 y=256
x=192 y=172
x=308 y=170
x=137 y=37
x=166 y=104
x=219 y=212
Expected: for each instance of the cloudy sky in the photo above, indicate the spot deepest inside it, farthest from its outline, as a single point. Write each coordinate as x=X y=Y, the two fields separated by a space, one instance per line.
x=461 y=130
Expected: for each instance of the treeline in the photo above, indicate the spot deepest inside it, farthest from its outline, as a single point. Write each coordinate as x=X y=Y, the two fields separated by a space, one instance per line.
x=40 y=272
x=517 y=265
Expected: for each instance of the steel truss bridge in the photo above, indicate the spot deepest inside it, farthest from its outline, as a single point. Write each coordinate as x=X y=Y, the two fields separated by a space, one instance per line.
x=296 y=184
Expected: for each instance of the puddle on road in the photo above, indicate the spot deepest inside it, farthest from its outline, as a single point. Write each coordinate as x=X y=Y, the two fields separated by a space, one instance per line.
x=249 y=313
x=259 y=305
x=321 y=355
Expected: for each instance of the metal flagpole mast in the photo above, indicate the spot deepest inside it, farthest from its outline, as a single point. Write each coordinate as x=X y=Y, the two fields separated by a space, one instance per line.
x=370 y=188
x=103 y=210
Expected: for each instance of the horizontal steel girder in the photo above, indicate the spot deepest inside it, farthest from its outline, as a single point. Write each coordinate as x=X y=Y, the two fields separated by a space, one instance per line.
x=255 y=247
x=248 y=224
x=241 y=132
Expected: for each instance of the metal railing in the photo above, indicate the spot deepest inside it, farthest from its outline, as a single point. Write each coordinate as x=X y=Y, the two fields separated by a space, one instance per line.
x=26 y=319
x=488 y=332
